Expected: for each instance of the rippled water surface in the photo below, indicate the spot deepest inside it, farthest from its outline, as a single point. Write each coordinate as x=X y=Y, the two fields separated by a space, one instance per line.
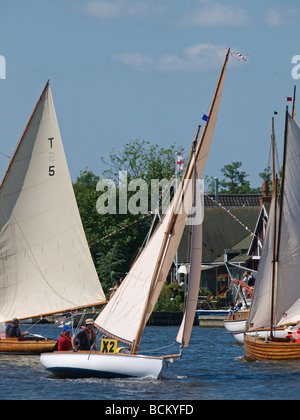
x=212 y=367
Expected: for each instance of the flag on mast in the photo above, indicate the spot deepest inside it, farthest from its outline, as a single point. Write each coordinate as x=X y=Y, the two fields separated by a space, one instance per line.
x=179 y=163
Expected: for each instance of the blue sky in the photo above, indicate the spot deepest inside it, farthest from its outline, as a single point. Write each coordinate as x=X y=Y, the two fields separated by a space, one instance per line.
x=146 y=69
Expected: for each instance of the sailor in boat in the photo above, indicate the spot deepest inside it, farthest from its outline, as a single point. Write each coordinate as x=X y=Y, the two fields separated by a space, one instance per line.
x=85 y=339
x=233 y=309
x=13 y=330
x=65 y=340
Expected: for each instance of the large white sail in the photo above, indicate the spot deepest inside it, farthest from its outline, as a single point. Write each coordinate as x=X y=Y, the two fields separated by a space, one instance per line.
x=127 y=313
x=287 y=280
x=260 y=310
x=201 y=154
x=45 y=262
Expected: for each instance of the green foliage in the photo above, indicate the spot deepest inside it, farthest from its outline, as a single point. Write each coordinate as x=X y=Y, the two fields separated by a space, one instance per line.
x=110 y=266
x=235 y=182
x=142 y=160
x=115 y=239
x=165 y=302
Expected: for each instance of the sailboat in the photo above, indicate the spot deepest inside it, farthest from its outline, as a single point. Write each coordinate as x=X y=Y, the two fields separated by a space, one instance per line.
x=276 y=300
x=125 y=316
x=45 y=262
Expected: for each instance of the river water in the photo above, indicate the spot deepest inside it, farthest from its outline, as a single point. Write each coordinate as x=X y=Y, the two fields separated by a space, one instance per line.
x=212 y=368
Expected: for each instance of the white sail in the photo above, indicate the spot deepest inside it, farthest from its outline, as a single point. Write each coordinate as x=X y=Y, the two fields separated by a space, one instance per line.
x=260 y=310
x=287 y=280
x=196 y=245
x=122 y=315
x=127 y=313
x=45 y=262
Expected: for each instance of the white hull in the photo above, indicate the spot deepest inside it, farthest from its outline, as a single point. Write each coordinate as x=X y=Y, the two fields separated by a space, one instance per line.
x=86 y=364
x=239 y=336
x=235 y=326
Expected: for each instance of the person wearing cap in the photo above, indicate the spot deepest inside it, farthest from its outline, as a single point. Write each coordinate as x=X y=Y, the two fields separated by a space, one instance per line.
x=65 y=342
x=289 y=337
x=85 y=339
x=13 y=330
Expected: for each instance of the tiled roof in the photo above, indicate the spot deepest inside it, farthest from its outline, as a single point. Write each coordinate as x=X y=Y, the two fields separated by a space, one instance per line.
x=220 y=231
x=233 y=200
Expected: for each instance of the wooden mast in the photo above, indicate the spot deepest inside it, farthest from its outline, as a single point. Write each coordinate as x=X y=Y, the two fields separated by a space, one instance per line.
x=294 y=104
x=276 y=256
x=274 y=190
x=161 y=256
x=187 y=174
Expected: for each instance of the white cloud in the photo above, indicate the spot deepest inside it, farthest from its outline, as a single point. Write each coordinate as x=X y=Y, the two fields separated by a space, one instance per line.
x=195 y=58
x=103 y=9
x=211 y=13
x=108 y=9
x=284 y=16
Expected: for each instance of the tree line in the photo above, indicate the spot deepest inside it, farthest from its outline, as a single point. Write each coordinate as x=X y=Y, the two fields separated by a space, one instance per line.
x=115 y=239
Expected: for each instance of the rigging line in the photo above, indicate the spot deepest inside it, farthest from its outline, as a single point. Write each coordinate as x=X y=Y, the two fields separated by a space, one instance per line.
x=150 y=213
x=232 y=215
x=3 y=154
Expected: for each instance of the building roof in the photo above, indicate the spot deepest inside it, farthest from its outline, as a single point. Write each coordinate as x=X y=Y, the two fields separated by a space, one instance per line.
x=221 y=231
x=233 y=200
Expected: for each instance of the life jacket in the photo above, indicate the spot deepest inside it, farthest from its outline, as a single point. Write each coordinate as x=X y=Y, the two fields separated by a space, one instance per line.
x=296 y=337
x=289 y=337
x=64 y=343
x=88 y=335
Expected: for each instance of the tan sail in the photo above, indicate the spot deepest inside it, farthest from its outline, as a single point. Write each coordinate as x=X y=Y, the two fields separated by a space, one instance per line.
x=45 y=262
x=280 y=303
x=125 y=316
x=201 y=154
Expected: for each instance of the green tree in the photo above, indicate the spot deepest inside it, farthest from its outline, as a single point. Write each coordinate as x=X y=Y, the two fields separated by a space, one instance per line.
x=235 y=180
x=142 y=160
x=119 y=236
x=110 y=266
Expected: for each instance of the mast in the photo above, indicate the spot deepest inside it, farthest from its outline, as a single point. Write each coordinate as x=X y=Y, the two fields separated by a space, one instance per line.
x=276 y=256
x=294 y=106
x=187 y=175
x=162 y=253
x=274 y=190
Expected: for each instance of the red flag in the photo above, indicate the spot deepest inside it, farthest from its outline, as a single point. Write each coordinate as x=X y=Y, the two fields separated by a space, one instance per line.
x=179 y=163
x=289 y=99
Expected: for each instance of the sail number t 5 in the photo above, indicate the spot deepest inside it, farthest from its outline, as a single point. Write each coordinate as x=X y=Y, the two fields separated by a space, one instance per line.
x=51 y=158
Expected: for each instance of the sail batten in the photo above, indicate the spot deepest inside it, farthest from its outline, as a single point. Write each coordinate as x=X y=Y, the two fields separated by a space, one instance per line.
x=45 y=263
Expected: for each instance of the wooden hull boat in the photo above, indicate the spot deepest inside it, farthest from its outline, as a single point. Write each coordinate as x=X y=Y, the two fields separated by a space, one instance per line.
x=27 y=345
x=258 y=348
x=276 y=301
x=96 y=364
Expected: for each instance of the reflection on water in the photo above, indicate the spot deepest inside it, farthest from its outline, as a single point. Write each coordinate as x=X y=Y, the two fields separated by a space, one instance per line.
x=212 y=367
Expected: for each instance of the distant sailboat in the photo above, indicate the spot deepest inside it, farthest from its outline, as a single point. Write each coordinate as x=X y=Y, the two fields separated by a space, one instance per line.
x=45 y=263
x=276 y=301
x=125 y=316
